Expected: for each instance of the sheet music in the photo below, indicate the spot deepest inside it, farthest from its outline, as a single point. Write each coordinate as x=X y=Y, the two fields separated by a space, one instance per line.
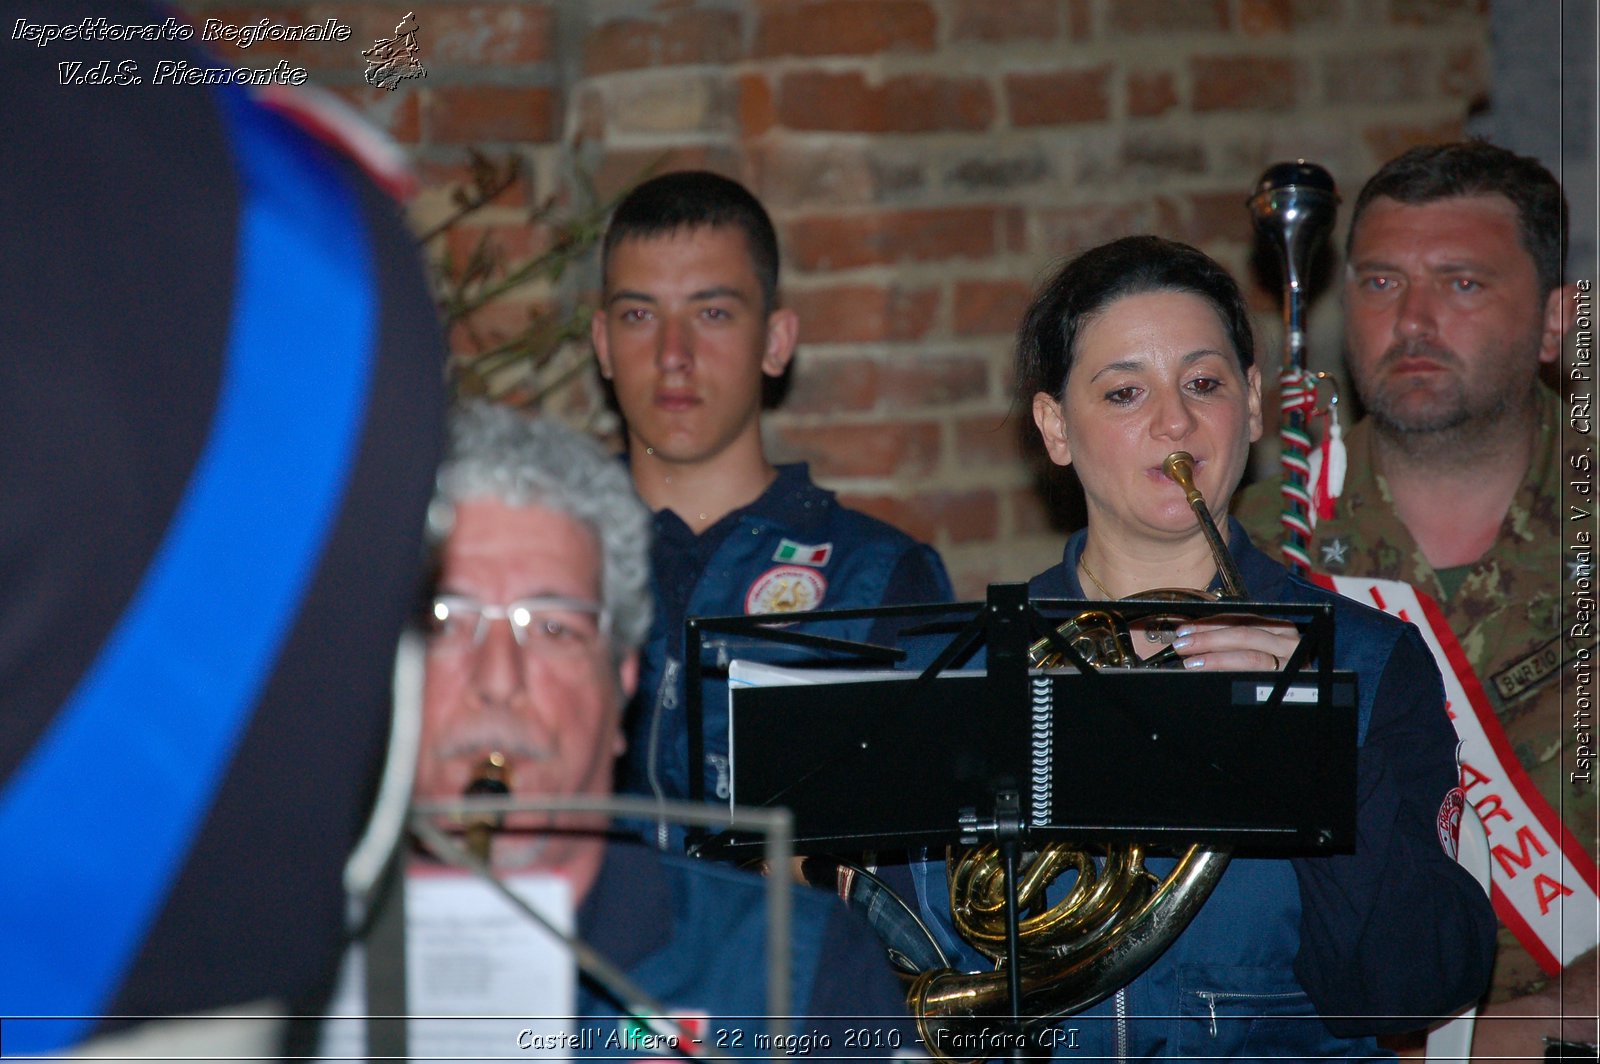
x=470 y=954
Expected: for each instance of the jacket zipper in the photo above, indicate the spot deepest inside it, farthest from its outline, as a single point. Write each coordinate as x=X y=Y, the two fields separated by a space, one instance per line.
x=1120 y=1048
x=667 y=687
x=1211 y=997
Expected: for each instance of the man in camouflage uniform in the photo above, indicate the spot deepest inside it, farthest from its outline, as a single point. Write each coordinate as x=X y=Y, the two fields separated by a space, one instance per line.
x=1454 y=304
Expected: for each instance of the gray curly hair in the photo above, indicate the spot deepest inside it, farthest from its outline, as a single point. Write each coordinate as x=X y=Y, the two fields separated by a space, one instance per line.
x=526 y=461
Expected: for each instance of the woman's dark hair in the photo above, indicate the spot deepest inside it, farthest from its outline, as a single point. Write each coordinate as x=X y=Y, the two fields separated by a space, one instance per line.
x=1090 y=283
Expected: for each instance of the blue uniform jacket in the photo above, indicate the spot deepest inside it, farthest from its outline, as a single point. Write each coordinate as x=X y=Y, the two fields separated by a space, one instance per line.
x=1309 y=957
x=793 y=549
x=224 y=402
x=693 y=935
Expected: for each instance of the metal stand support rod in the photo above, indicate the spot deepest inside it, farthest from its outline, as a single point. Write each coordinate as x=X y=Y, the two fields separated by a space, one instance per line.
x=1009 y=850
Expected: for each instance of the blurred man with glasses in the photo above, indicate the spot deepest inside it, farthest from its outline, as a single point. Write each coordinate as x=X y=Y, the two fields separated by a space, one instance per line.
x=542 y=601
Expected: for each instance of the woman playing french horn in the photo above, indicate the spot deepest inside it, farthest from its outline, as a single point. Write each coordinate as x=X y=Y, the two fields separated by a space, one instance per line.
x=1133 y=351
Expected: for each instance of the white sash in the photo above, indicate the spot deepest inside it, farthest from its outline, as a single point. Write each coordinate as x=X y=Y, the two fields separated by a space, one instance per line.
x=1544 y=881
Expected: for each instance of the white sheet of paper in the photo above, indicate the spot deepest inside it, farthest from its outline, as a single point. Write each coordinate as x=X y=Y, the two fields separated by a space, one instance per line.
x=471 y=954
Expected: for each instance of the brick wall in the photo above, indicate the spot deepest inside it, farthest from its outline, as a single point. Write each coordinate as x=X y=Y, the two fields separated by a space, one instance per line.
x=925 y=161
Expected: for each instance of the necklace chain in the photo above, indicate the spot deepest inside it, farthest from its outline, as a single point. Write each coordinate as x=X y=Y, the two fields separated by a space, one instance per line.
x=1094 y=579
x=1154 y=635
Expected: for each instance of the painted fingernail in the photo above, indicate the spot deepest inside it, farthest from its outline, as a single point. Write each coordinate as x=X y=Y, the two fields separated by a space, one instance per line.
x=1193 y=663
x=1181 y=642
x=1184 y=632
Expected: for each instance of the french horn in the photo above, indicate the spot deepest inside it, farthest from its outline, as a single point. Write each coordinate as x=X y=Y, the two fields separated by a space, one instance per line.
x=1117 y=917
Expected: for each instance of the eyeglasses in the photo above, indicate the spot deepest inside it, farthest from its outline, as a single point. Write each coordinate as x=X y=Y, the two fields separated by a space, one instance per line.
x=550 y=626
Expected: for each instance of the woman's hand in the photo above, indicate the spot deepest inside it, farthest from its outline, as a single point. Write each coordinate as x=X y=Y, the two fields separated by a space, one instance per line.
x=1246 y=642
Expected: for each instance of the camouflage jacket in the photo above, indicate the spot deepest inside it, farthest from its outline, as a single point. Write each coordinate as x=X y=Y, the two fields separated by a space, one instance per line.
x=1506 y=615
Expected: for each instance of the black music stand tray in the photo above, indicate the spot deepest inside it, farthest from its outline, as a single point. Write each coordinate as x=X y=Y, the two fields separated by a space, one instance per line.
x=1256 y=761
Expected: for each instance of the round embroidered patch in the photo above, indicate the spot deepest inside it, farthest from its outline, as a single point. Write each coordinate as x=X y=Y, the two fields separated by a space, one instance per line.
x=1449 y=821
x=786 y=589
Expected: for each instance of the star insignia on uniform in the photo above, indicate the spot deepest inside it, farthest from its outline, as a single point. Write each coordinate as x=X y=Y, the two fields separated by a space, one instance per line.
x=1333 y=551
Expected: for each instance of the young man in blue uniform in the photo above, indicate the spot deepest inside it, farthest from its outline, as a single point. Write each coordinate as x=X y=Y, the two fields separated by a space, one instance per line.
x=541 y=603
x=688 y=332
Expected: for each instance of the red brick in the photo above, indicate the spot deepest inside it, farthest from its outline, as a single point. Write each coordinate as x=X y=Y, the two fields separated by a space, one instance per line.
x=878 y=450
x=489 y=326
x=853 y=314
x=1151 y=93
x=1014 y=230
x=1374 y=77
x=504 y=247
x=1257 y=17
x=908 y=383
x=1436 y=12
x=1387 y=141
x=986 y=172
x=844 y=27
x=701 y=35
x=838 y=243
x=794 y=174
x=398 y=114
x=592 y=118
x=1014 y=20
x=1080 y=19
x=460 y=114
x=1162 y=155
x=757 y=113
x=692 y=36
x=620 y=170
x=845 y=102
x=500 y=34
x=1029 y=515
x=1244 y=82
x=831 y=386
x=1167 y=17
x=1069 y=230
x=989 y=308
x=1218 y=216
x=1463 y=74
x=1059 y=97
x=682 y=37
x=989 y=442
x=964 y=516
x=459 y=178
x=626 y=44
x=1263 y=17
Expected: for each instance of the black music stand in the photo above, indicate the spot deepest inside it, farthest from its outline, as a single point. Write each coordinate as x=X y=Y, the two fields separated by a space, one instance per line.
x=1253 y=761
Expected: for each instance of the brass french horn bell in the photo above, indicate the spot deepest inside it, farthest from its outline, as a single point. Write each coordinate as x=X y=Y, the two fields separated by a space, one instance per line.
x=1117 y=917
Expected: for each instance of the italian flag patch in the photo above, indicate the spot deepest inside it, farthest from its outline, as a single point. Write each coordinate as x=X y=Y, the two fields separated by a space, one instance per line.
x=803 y=553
